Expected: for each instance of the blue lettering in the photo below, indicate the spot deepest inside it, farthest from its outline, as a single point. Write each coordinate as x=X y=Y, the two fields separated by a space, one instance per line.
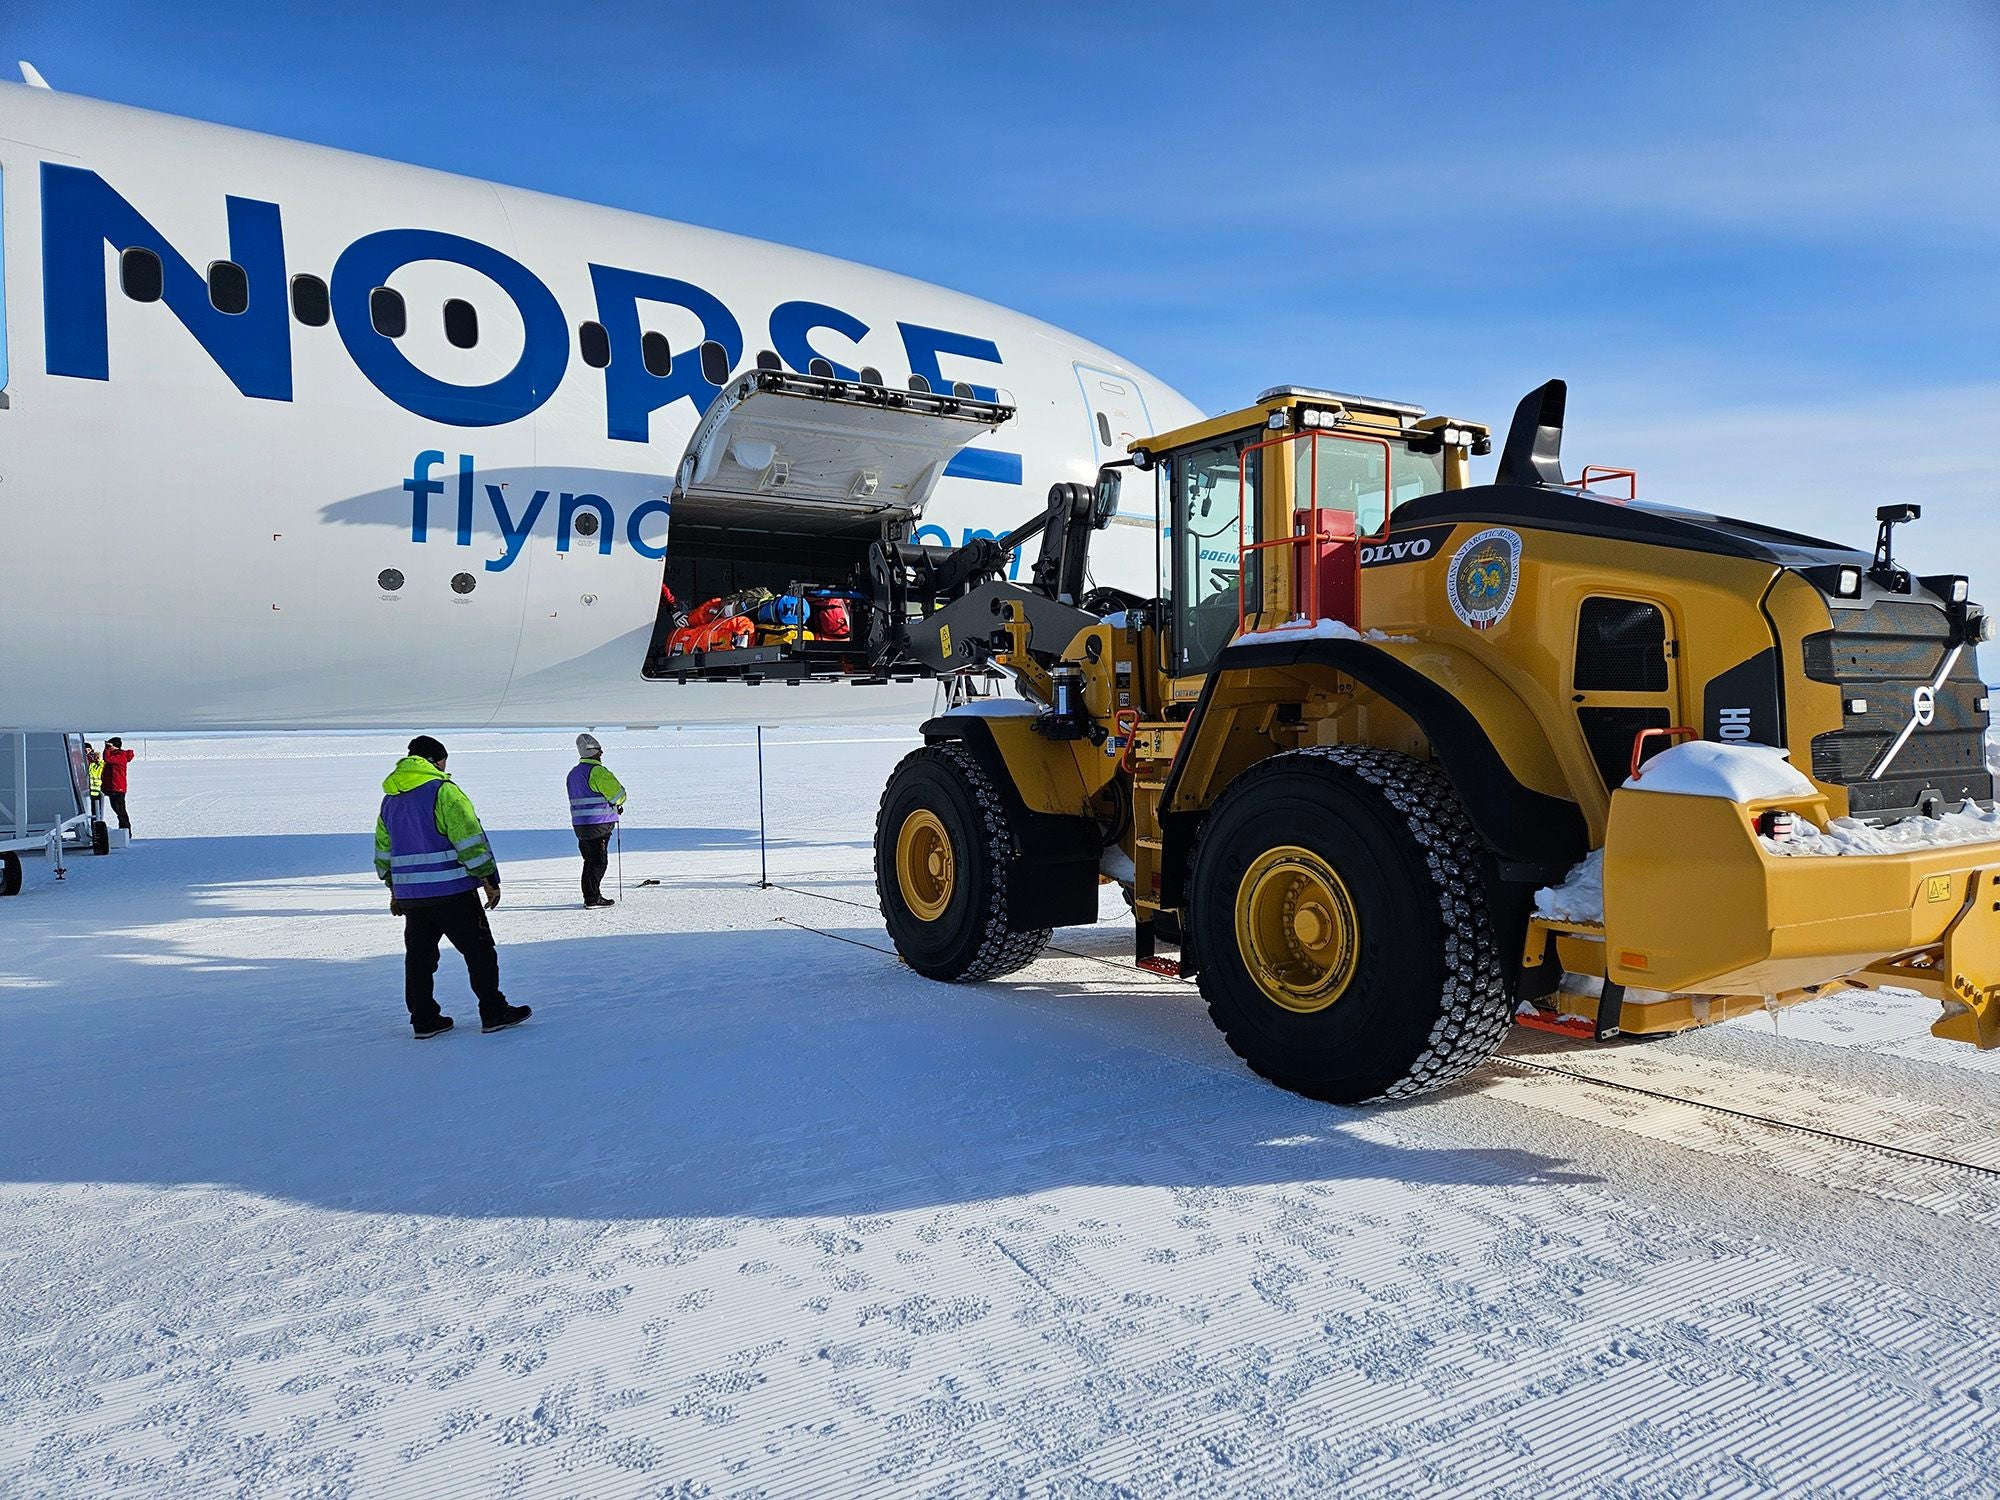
x=639 y=543
x=792 y=321
x=465 y=499
x=514 y=537
x=371 y=260
x=929 y=535
x=648 y=517
x=421 y=487
x=632 y=393
x=986 y=464
x=566 y=510
x=81 y=214
x=924 y=345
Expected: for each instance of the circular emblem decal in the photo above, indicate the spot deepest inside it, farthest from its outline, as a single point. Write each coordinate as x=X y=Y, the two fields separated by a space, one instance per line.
x=1925 y=702
x=1485 y=573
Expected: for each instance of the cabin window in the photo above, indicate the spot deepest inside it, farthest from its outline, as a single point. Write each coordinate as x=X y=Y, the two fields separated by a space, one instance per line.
x=309 y=301
x=386 y=313
x=139 y=274
x=461 y=323
x=594 y=344
x=715 y=364
x=228 y=287
x=657 y=354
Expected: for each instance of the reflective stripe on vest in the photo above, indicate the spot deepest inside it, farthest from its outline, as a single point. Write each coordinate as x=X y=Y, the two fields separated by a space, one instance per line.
x=587 y=809
x=423 y=863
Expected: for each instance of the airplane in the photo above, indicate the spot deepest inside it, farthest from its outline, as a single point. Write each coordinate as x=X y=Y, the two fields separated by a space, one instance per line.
x=295 y=438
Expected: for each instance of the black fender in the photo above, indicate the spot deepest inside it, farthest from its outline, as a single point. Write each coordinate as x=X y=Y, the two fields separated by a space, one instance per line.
x=1532 y=836
x=1053 y=877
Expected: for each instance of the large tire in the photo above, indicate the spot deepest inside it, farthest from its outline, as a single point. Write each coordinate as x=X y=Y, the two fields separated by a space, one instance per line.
x=943 y=847
x=1340 y=916
x=10 y=874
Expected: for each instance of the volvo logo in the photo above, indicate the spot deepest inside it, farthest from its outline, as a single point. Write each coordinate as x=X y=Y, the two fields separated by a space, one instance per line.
x=1404 y=544
x=1924 y=700
x=1408 y=551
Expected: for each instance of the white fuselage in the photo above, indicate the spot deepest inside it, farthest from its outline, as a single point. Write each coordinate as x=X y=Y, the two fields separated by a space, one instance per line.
x=200 y=505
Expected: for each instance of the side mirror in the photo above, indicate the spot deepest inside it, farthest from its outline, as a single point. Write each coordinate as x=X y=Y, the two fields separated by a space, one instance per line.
x=1104 y=498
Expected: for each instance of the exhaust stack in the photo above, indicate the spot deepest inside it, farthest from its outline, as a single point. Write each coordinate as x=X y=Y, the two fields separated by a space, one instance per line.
x=1533 y=454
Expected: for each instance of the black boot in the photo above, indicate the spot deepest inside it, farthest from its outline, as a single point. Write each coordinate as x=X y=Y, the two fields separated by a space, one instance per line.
x=425 y=1030
x=506 y=1016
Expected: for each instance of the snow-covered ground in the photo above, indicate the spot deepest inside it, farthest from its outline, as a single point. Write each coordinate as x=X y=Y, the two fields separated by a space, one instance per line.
x=749 y=1209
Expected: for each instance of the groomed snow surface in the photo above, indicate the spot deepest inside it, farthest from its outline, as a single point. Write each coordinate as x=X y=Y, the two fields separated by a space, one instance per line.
x=749 y=1209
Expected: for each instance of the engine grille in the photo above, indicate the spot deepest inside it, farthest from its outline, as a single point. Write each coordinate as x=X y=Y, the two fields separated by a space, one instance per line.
x=1621 y=646
x=1882 y=655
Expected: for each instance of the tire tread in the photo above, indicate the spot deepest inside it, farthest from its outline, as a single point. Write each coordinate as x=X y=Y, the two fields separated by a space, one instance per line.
x=1000 y=951
x=1475 y=1010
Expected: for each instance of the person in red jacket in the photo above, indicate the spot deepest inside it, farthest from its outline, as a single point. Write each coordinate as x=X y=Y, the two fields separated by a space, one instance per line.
x=116 y=759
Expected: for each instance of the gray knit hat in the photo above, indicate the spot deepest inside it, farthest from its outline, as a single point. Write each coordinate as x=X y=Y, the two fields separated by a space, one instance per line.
x=587 y=746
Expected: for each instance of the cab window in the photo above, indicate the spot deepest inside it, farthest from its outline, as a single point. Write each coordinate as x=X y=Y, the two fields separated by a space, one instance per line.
x=1346 y=474
x=1211 y=488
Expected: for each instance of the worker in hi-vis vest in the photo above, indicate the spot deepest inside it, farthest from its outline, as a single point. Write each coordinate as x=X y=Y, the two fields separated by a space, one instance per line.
x=95 y=762
x=596 y=798
x=435 y=859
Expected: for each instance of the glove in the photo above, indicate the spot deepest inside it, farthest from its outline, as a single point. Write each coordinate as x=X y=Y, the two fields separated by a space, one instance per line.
x=492 y=894
x=395 y=907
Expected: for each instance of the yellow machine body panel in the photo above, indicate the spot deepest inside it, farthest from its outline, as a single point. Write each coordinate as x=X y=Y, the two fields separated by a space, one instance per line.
x=1695 y=902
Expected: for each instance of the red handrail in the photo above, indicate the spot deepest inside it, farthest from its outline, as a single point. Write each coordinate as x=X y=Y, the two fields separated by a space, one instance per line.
x=1604 y=471
x=1639 y=741
x=1126 y=722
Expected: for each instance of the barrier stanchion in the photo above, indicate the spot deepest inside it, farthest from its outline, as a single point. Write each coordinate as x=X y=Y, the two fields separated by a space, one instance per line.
x=763 y=860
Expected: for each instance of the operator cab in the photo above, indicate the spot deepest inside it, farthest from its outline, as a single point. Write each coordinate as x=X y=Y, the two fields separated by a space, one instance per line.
x=1310 y=475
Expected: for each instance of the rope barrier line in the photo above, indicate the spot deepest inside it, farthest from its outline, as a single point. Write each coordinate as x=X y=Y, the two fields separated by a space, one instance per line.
x=1097 y=958
x=838 y=937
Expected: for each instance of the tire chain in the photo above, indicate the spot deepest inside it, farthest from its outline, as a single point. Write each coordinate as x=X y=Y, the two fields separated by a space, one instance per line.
x=1000 y=952
x=1475 y=1010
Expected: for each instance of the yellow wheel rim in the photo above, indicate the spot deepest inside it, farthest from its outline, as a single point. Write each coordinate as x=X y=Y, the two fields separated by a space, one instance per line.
x=926 y=873
x=1296 y=929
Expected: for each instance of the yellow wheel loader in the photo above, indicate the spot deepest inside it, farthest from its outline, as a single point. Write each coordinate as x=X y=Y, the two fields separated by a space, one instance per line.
x=1392 y=753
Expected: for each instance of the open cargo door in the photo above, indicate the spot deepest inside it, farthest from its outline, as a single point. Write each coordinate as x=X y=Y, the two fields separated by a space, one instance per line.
x=786 y=484
x=808 y=456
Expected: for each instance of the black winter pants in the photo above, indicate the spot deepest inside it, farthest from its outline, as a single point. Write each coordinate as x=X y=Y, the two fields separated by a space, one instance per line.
x=595 y=843
x=461 y=921
x=117 y=800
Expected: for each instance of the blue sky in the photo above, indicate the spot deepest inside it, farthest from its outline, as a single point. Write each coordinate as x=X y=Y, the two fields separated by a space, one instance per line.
x=1761 y=242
